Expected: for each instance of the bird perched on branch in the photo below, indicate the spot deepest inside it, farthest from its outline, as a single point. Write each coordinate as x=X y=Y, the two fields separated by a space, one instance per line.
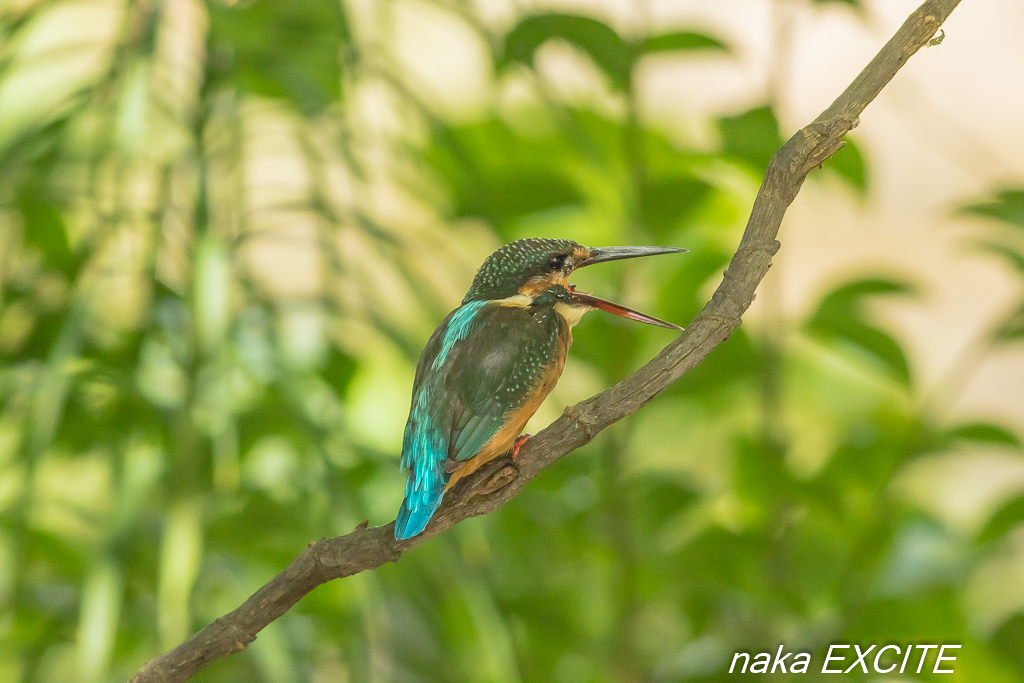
x=493 y=360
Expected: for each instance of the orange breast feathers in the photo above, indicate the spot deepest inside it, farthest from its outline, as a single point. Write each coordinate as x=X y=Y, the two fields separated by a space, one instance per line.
x=516 y=419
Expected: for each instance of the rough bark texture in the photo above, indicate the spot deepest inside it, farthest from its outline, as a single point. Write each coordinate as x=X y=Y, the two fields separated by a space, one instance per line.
x=499 y=481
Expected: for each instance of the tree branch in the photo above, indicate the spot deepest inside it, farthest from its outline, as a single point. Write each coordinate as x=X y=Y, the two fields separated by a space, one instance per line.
x=499 y=481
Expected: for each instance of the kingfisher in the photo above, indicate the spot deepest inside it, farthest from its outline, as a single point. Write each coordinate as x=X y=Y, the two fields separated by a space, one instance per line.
x=492 y=362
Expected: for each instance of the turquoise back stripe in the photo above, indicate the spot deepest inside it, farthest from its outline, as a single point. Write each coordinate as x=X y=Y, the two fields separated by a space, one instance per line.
x=458 y=328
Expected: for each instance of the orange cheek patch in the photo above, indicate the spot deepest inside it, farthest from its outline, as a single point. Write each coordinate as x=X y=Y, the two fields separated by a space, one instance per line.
x=580 y=254
x=536 y=285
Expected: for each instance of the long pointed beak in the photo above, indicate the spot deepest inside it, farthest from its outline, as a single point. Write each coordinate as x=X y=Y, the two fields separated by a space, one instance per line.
x=621 y=311
x=603 y=254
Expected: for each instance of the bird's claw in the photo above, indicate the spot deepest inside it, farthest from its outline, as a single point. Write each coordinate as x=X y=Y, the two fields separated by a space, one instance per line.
x=516 y=445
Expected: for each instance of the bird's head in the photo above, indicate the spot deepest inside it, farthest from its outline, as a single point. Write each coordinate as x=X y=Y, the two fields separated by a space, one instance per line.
x=535 y=271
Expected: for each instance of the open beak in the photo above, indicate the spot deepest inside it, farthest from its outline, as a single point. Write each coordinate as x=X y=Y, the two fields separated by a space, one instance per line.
x=603 y=254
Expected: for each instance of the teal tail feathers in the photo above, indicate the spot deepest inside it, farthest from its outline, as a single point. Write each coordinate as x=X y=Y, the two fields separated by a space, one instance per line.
x=424 y=449
x=417 y=508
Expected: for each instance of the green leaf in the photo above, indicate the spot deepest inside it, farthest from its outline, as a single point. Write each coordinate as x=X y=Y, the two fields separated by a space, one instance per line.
x=752 y=136
x=984 y=432
x=613 y=55
x=339 y=370
x=849 y=164
x=290 y=50
x=847 y=297
x=1009 y=516
x=1012 y=327
x=662 y=496
x=882 y=347
x=852 y=3
x=840 y=318
x=44 y=230
x=1009 y=640
x=666 y=202
x=1007 y=207
x=680 y=40
x=494 y=173
x=1015 y=257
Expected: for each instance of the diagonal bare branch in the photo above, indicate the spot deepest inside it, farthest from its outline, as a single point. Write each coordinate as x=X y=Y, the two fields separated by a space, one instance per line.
x=495 y=484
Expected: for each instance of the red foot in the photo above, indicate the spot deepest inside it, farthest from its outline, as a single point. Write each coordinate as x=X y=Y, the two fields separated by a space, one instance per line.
x=517 y=444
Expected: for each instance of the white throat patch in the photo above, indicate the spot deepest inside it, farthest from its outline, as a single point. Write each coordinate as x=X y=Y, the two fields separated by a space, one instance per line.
x=572 y=314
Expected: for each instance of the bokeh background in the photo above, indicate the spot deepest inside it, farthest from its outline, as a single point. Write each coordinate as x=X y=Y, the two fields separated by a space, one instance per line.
x=228 y=228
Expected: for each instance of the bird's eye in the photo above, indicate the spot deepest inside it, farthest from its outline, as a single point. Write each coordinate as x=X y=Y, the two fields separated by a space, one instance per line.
x=556 y=263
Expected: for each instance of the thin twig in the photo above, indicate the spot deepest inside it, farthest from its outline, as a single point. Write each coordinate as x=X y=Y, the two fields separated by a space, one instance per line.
x=367 y=548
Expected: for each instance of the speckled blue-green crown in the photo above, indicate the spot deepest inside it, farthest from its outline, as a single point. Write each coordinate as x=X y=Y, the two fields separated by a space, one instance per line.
x=509 y=268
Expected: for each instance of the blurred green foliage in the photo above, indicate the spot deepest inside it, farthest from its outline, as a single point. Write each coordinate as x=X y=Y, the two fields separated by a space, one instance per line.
x=616 y=56
x=209 y=315
x=308 y=37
